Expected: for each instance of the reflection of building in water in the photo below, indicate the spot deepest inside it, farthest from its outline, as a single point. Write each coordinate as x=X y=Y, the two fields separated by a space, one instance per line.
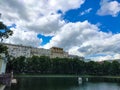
x=79 y=80
x=58 y=52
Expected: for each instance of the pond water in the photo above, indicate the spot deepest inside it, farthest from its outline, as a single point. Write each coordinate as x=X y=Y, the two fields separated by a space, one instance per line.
x=65 y=83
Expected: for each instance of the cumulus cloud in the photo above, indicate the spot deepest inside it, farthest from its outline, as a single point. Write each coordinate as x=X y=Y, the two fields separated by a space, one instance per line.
x=34 y=17
x=109 y=8
x=49 y=24
x=106 y=57
x=84 y=38
x=25 y=38
x=65 y=5
x=101 y=58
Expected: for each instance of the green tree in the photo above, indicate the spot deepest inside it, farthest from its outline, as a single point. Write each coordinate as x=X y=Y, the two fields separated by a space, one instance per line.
x=33 y=64
x=44 y=64
x=92 y=68
x=115 y=68
x=3 y=49
x=55 y=65
x=106 y=68
x=4 y=31
x=19 y=64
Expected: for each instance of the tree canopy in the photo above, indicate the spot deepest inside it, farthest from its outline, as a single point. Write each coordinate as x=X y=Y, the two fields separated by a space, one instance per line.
x=46 y=65
x=5 y=32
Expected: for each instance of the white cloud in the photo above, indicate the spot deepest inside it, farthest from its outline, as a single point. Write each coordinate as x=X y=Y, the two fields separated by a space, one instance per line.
x=25 y=38
x=75 y=51
x=117 y=56
x=65 y=5
x=49 y=24
x=109 y=8
x=84 y=38
x=106 y=57
x=34 y=17
x=86 y=11
x=102 y=58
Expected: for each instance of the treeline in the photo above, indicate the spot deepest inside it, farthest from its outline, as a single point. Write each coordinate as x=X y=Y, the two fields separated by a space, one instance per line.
x=45 y=65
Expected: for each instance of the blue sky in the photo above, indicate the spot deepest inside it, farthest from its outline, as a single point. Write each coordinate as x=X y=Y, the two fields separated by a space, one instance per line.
x=45 y=39
x=108 y=22
x=82 y=27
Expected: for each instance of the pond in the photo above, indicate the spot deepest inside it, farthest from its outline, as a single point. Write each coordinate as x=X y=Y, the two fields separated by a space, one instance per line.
x=65 y=83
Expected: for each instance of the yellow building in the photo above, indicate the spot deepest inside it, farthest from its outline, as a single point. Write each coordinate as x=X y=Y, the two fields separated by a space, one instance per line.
x=58 y=52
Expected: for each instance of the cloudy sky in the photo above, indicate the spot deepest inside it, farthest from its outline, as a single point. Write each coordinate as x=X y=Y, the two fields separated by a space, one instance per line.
x=81 y=27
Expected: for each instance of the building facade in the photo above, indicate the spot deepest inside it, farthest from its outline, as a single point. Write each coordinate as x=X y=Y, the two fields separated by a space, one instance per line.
x=18 y=50
x=39 y=52
x=27 y=51
x=58 y=52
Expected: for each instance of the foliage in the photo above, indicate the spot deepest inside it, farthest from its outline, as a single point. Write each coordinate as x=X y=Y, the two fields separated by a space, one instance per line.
x=45 y=65
x=6 y=31
x=3 y=49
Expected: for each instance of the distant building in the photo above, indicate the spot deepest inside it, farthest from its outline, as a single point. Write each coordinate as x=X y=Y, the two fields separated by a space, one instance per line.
x=58 y=52
x=40 y=52
x=18 y=50
x=28 y=51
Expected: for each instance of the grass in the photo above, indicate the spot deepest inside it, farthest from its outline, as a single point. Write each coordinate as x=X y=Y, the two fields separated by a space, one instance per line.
x=26 y=75
x=86 y=76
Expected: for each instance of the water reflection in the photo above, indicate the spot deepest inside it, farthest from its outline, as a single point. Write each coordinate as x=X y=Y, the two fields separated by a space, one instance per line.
x=80 y=80
x=104 y=79
x=2 y=87
x=40 y=83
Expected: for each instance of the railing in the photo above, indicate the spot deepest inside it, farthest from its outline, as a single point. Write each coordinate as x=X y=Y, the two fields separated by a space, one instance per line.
x=5 y=79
